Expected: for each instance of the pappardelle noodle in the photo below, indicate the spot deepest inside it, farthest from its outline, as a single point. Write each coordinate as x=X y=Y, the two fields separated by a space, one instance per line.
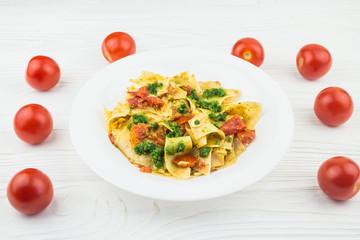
x=178 y=127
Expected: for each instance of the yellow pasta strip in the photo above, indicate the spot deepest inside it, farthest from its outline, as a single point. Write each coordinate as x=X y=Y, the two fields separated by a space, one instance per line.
x=175 y=170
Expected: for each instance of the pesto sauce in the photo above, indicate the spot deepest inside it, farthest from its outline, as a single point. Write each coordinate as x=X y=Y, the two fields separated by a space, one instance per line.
x=214 y=92
x=213 y=106
x=156 y=152
x=205 y=151
x=152 y=87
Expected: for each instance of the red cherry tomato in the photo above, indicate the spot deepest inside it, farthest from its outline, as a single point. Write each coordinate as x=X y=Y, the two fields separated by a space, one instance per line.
x=313 y=61
x=118 y=45
x=30 y=191
x=250 y=50
x=42 y=73
x=33 y=123
x=339 y=178
x=333 y=106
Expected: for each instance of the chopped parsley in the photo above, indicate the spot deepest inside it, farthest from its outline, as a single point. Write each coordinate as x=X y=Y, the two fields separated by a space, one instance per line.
x=229 y=139
x=154 y=125
x=180 y=147
x=182 y=109
x=193 y=95
x=175 y=130
x=214 y=106
x=217 y=142
x=214 y=92
x=138 y=118
x=152 y=87
x=197 y=122
x=215 y=124
x=144 y=148
x=158 y=156
x=218 y=117
x=171 y=150
x=156 y=152
x=204 y=151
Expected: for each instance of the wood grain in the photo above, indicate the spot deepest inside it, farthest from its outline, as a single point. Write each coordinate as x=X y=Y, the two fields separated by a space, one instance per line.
x=286 y=204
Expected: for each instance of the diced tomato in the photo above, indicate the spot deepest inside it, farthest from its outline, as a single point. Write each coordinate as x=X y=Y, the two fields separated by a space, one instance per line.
x=233 y=125
x=186 y=160
x=200 y=165
x=182 y=128
x=159 y=136
x=175 y=113
x=132 y=93
x=111 y=137
x=246 y=137
x=134 y=101
x=154 y=102
x=171 y=88
x=138 y=133
x=142 y=102
x=145 y=169
x=188 y=89
x=143 y=91
x=184 y=119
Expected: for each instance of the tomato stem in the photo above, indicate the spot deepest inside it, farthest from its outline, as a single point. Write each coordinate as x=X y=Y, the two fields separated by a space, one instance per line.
x=247 y=55
x=301 y=61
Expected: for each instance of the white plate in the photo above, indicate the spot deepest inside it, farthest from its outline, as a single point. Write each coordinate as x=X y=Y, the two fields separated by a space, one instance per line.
x=274 y=130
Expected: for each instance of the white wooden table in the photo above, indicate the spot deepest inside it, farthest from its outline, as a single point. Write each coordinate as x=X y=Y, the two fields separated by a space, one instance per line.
x=286 y=204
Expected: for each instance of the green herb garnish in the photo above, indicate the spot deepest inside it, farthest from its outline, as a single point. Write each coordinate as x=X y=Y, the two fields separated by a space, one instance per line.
x=154 y=125
x=183 y=108
x=180 y=147
x=214 y=92
x=218 y=117
x=193 y=95
x=175 y=130
x=140 y=118
x=158 y=156
x=144 y=148
x=171 y=151
x=156 y=152
x=152 y=87
x=197 y=122
x=205 y=151
x=214 y=106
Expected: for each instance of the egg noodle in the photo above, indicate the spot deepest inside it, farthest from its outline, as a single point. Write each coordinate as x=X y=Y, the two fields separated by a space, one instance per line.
x=180 y=128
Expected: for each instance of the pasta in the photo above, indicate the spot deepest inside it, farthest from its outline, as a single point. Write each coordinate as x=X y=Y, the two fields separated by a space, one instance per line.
x=181 y=128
